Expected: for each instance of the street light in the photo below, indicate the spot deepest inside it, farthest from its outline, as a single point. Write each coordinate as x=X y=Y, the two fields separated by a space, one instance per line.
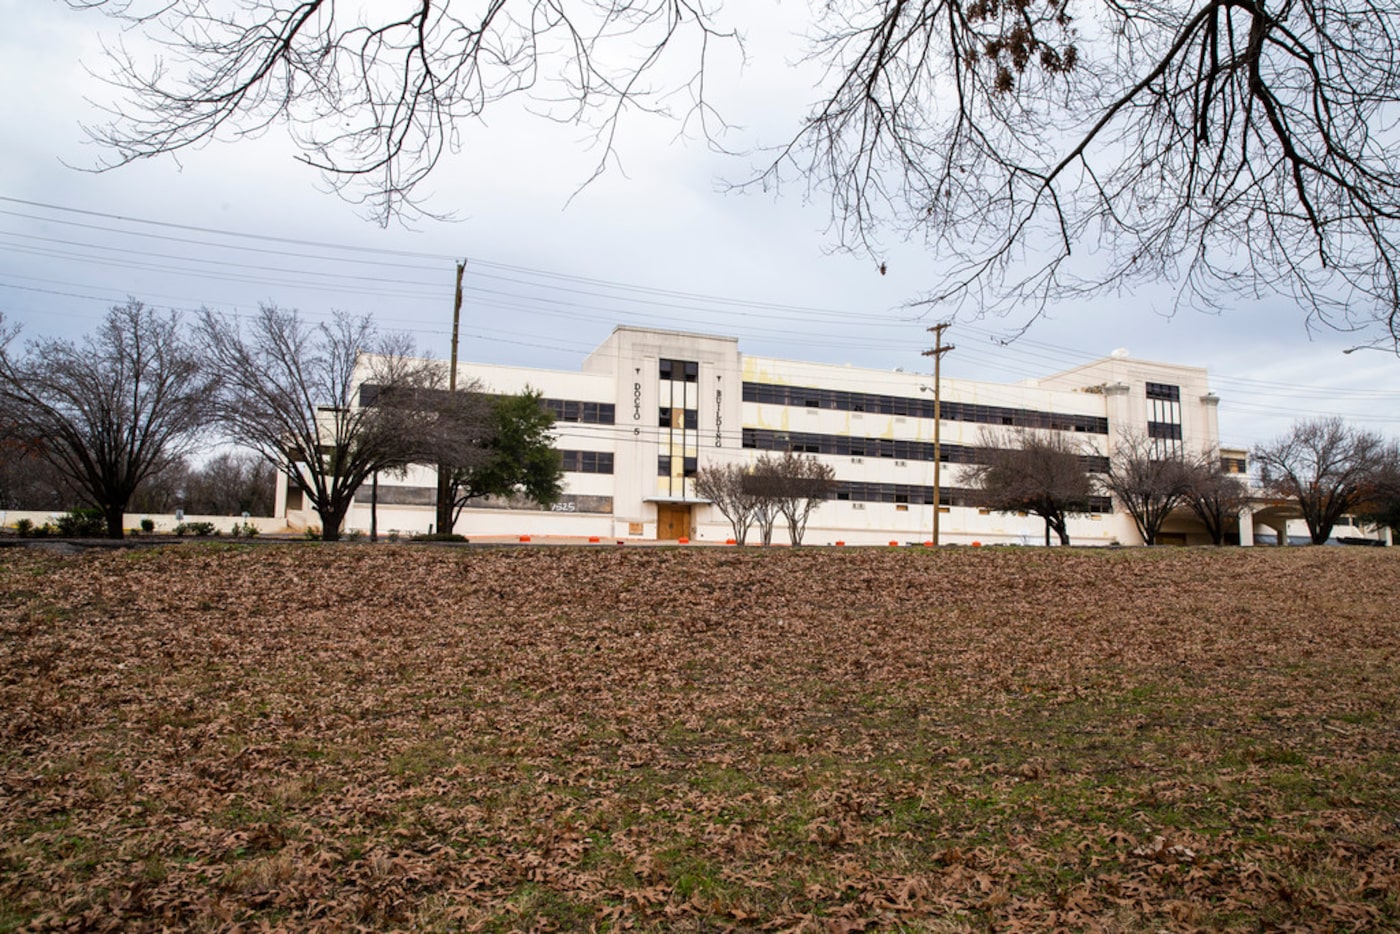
x=1371 y=347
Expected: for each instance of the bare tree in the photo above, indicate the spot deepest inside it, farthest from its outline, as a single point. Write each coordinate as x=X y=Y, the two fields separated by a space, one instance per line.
x=725 y=487
x=1041 y=473
x=161 y=492
x=229 y=484
x=1216 y=497
x=1324 y=465
x=1147 y=485
x=109 y=413
x=1230 y=146
x=27 y=480
x=800 y=484
x=327 y=405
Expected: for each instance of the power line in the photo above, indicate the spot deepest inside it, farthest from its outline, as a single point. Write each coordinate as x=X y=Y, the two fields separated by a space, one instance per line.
x=528 y=291
x=700 y=298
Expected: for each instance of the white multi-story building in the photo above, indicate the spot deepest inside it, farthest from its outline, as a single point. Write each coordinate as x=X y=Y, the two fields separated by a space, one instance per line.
x=649 y=408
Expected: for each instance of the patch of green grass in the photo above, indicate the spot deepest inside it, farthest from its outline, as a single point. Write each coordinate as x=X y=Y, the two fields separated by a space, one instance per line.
x=689 y=872
x=245 y=811
x=1358 y=717
x=537 y=907
x=13 y=917
x=421 y=761
x=309 y=748
x=711 y=779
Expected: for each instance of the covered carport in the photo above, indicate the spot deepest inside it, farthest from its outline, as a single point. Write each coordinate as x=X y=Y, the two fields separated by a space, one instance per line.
x=1259 y=515
x=1269 y=512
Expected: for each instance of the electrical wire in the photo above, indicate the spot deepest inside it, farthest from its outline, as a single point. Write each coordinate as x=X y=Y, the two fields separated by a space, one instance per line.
x=516 y=293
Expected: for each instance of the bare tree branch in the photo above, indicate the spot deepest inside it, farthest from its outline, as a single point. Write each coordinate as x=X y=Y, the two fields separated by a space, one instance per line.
x=1043 y=149
x=801 y=484
x=724 y=486
x=1216 y=497
x=1234 y=148
x=374 y=95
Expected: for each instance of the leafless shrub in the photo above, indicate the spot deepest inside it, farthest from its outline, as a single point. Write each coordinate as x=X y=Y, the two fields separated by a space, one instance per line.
x=723 y=485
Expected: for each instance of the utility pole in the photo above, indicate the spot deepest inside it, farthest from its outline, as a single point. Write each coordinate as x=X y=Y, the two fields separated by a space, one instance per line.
x=937 y=352
x=444 y=471
x=456 y=320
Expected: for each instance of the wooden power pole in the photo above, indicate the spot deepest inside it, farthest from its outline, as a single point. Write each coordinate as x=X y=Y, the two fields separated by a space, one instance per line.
x=936 y=352
x=444 y=471
x=456 y=321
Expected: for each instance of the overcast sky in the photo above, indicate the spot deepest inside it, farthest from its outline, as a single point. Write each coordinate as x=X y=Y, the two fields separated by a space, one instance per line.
x=660 y=243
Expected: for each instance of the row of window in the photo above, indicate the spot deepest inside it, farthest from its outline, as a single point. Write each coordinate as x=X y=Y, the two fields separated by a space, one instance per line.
x=1164 y=419
x=761 y=439
x=689 y=419
x=688 y=466
x=686 y=371
x=587 y=461
x=605 y=413
x=920 y=407
x=565 y=410
x=1164 y=391
x=901 y=493
x=677 y=418
x=907 y=494
x=1163 y=412
x=1164 y=449
x=590 y=413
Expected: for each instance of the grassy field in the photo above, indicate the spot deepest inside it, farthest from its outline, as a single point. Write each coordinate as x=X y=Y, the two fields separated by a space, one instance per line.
x=304 y=737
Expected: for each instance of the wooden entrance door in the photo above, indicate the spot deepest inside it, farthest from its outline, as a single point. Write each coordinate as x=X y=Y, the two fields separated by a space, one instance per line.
x=672 y=522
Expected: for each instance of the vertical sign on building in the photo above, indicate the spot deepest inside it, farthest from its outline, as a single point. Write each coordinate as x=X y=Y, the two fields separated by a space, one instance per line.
x=719 y=413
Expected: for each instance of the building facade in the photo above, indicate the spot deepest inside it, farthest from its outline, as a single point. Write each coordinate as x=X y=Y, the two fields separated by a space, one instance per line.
x=648 y=408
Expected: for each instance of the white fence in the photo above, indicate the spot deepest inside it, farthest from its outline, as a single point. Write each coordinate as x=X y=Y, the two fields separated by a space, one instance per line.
x=164 y=523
